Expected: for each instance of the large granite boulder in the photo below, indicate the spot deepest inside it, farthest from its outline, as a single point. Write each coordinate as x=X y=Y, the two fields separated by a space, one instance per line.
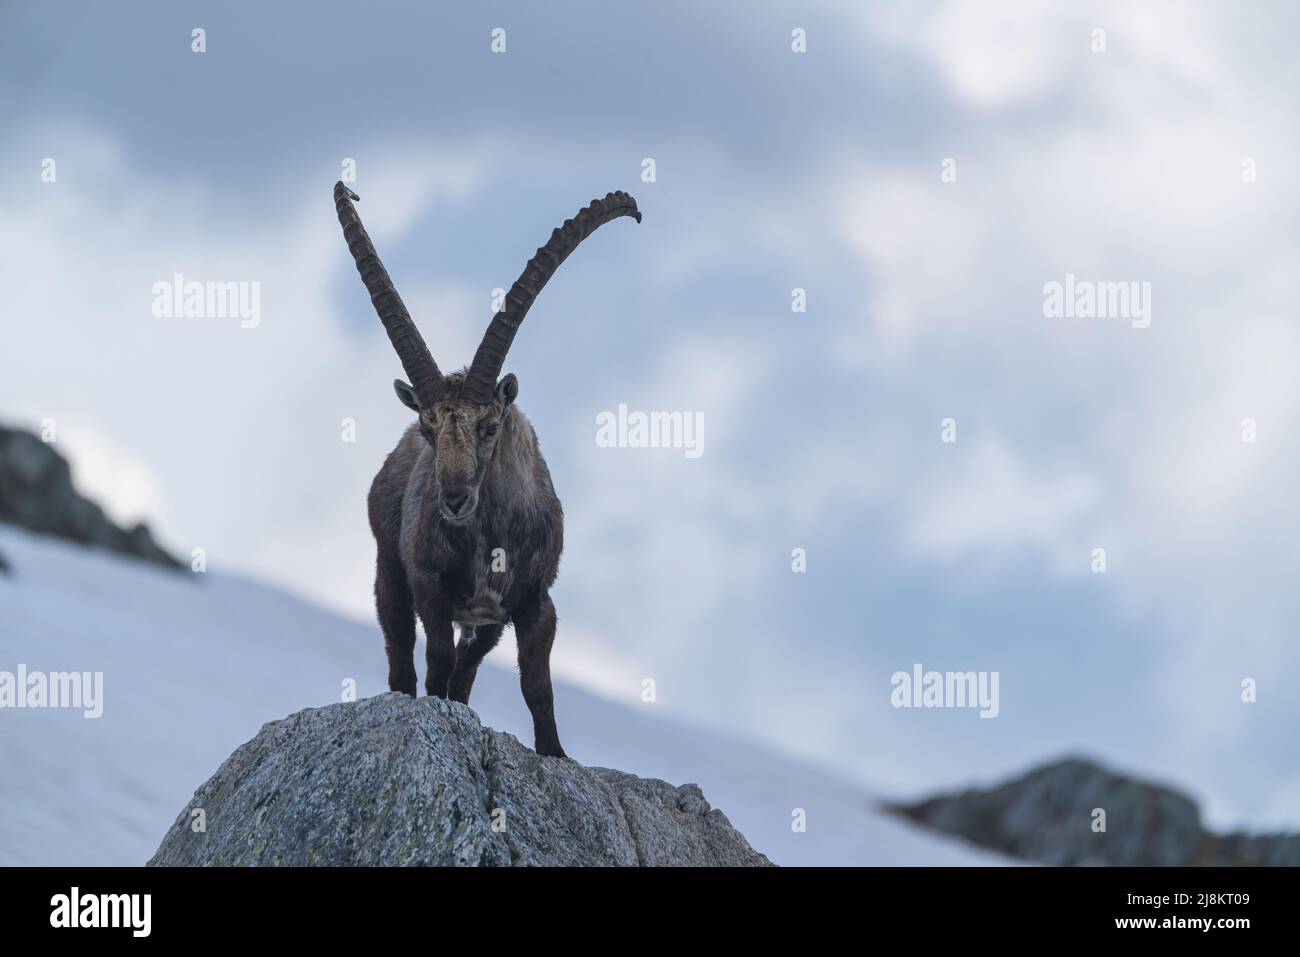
x=392 y=780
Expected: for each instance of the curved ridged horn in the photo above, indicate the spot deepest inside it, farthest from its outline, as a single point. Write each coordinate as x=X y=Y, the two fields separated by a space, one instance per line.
x=481 y=380
x=426 y=381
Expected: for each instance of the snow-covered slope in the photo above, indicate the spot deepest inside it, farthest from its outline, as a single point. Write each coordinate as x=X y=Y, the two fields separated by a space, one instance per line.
x=192 y=668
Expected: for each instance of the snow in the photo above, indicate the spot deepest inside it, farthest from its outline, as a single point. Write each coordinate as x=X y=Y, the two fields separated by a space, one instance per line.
x=194 y=664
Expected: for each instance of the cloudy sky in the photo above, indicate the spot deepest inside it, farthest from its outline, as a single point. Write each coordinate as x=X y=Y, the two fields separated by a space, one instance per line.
x=921 y=171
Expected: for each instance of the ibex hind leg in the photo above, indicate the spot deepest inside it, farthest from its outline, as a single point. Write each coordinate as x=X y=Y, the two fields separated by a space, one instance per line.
x=535 y=633
x=397 y=619
x=440 y=642
x=475 y=643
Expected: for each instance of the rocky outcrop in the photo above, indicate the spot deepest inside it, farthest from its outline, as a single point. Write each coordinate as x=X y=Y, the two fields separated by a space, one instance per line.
x=1048 y=816
x=392 y=780
x=36 y=493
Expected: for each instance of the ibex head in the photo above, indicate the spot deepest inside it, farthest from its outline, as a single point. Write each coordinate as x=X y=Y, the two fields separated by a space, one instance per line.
x=461 y=415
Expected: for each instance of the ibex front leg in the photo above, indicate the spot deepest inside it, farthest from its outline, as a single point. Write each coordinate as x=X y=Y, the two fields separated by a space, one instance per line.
x=397 y=619
x=440 y=645
x=535 y=633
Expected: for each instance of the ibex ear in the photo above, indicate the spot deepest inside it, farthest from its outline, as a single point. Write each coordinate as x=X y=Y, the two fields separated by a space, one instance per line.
x=507 y=389
x=406 y=394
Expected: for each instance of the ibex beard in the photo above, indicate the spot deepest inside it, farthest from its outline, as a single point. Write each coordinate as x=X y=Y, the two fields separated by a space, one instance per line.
x=467 y=523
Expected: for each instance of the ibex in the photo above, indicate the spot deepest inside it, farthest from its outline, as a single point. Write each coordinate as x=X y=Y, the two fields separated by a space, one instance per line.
x=468 y=526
